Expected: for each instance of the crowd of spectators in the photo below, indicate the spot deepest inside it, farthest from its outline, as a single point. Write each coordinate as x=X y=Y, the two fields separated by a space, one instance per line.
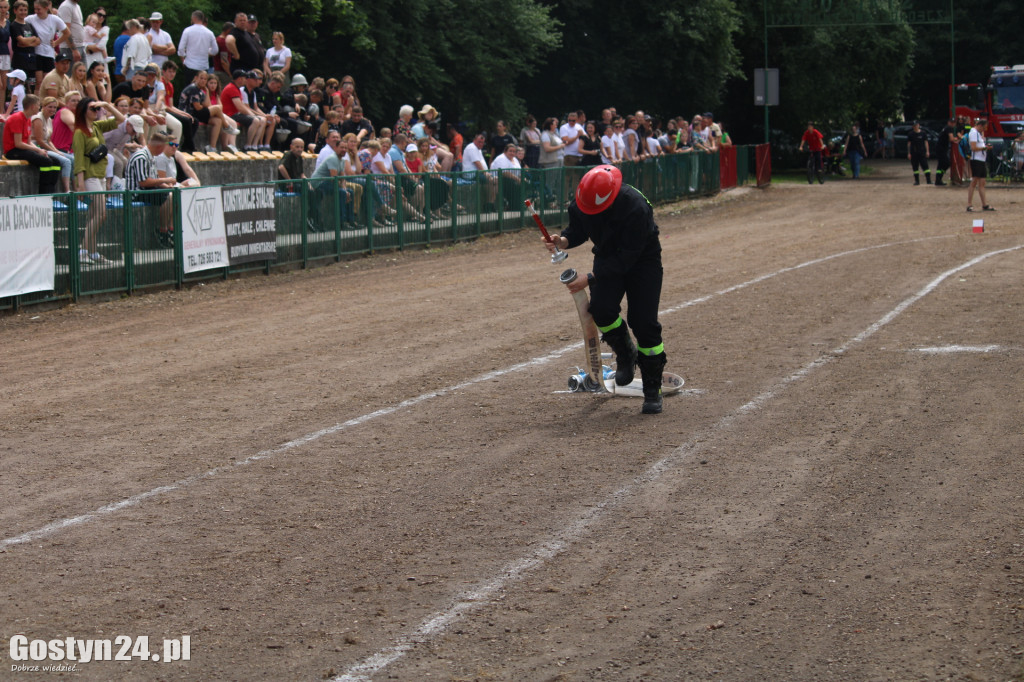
x=109 y=117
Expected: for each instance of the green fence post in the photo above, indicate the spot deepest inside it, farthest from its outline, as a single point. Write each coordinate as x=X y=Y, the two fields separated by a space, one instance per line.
x=179 y=243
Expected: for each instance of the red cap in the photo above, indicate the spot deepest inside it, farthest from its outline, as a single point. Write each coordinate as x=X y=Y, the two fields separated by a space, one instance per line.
x=598 y=189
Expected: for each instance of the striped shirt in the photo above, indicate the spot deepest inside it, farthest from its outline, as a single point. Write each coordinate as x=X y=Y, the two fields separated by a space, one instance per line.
x=140 y=168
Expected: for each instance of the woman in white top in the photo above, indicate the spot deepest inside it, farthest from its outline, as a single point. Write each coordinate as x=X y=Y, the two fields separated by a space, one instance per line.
x=42 y=130
x=96 y=34
x=382 y=165
x=608 y=146
x=279 y=57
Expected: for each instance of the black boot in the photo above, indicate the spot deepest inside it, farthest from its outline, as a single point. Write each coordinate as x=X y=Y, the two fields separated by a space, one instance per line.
x=917 y=179
x=928 y=177
x=651 y=368
x=625 y=354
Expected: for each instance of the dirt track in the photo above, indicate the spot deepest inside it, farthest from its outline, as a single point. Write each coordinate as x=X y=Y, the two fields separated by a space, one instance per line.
x=837 y=495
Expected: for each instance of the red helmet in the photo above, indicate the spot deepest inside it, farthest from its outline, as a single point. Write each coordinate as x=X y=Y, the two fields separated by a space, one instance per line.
x=598 y=189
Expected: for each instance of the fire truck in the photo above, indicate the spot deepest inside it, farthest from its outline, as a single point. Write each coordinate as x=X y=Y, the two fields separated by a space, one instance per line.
x=1001 y=100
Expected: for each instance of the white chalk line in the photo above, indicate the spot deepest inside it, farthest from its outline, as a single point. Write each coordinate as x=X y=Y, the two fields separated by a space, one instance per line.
x=561 y=540
x=954 y=348
x=134 y=500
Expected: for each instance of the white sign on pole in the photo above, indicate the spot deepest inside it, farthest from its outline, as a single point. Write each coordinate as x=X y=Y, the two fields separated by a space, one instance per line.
x=27 y=259
x=204 y=240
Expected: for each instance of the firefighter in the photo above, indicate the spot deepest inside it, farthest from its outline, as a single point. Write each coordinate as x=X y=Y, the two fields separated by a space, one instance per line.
x=917 y=152
x=619 y=220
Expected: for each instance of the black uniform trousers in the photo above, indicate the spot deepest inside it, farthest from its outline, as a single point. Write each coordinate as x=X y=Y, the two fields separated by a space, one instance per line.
x=641 y=285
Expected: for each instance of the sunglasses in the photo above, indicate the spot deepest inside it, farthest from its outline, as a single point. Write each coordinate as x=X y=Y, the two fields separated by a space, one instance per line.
x=173 y=144
x=98 y=107
x=101 y=16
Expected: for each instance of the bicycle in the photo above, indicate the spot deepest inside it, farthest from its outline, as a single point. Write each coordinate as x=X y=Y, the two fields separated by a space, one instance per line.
x=815 y=168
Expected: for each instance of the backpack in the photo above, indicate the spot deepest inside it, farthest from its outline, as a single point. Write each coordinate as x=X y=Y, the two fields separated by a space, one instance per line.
x=965 y=145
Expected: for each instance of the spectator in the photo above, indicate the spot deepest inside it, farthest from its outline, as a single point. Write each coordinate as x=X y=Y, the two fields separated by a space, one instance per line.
x=42 y=131
x=97 y=82
x=141 y=174
x=473 y=161
x=571 y=133
x=23 y=42
x=510 y=174
x=185 y=119
x=724 y=140
x=609 y=152
x=529 y=140
x=253 y=80
x=552 y=146
x=654 y=149
x=404 y=123
x=591 y=148
x=500 y=139
x=96 y=35
x=278 y=57
x=63 y=129
x=455 y=146
x=122 y=142
x=238 y=109
x=196 y=46
x=5 y=48
x=57 y=83
x=70 y=13
x=119 y=44
x=254 y=34
x=632 y=140
x=399 y=152
x=274 y=98
x=291 y=166
x=326 y=180
x=173 y=164
x=157 y=102
x=382 y=166
x=617 y=138
x=683 y=143
x=245 y=52
x=135 y=87
x=359 y=126
x=91 y=167
x=137 y=51
x=326 y=126
x=17 y=139
x=330 y=146
x=213 y=90
x=427 y=113
x=299 y=84
x=17 y=79
x=346 y=96
x=79 y=74
x=604 y=123
x=354 y=178
x=195 y=99
x=222 y=62
x=52 y=31
x=161 y=41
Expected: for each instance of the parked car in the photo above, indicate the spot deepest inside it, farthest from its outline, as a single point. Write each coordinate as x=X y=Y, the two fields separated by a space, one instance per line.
x=900 y=140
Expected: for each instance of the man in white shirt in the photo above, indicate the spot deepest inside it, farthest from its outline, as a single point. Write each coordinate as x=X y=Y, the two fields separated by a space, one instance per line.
x=70 y=13
x=473 y=160
x=571 y=133
x=137 y=51
x=979 y=164
x=160 y=40
x=196 y=46
x=331 y=147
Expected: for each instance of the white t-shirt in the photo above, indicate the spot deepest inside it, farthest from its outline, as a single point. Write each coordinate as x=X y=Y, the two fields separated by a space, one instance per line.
x=653 y=146
x=158 y=95
x=71 y=13
x=46 y=29
x=137 y=53
x=381 y=159
x=470 y=156
x=160 y=38
x=620 y=145
x=18 y=93
x=568 y=130
x=607 y=148
x=502 y=162
x=166 y=164
x=975 y=138
x=276 y=59
x=324 y=153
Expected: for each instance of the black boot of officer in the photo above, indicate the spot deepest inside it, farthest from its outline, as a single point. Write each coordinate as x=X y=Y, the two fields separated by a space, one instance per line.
x=651 y=368
x=625 y=353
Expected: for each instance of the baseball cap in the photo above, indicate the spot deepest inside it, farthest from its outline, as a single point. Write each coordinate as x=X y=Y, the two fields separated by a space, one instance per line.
x=156 y=16
x=63 y=56
x=151 y=69
x=17 y=73
x=252 y=17
x=411 y=148
x=136 y=122
x=253 y=74
x=238 y=73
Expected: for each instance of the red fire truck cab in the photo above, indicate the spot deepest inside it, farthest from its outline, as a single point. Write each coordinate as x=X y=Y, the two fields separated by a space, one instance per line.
x=1001 y=100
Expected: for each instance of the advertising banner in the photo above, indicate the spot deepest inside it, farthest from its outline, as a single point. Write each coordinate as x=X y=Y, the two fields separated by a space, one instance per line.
x=27 y=260
x=202 y=217
x=250 y=222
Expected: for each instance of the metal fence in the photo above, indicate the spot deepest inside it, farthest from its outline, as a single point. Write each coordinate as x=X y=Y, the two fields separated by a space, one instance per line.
x=332 y=219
